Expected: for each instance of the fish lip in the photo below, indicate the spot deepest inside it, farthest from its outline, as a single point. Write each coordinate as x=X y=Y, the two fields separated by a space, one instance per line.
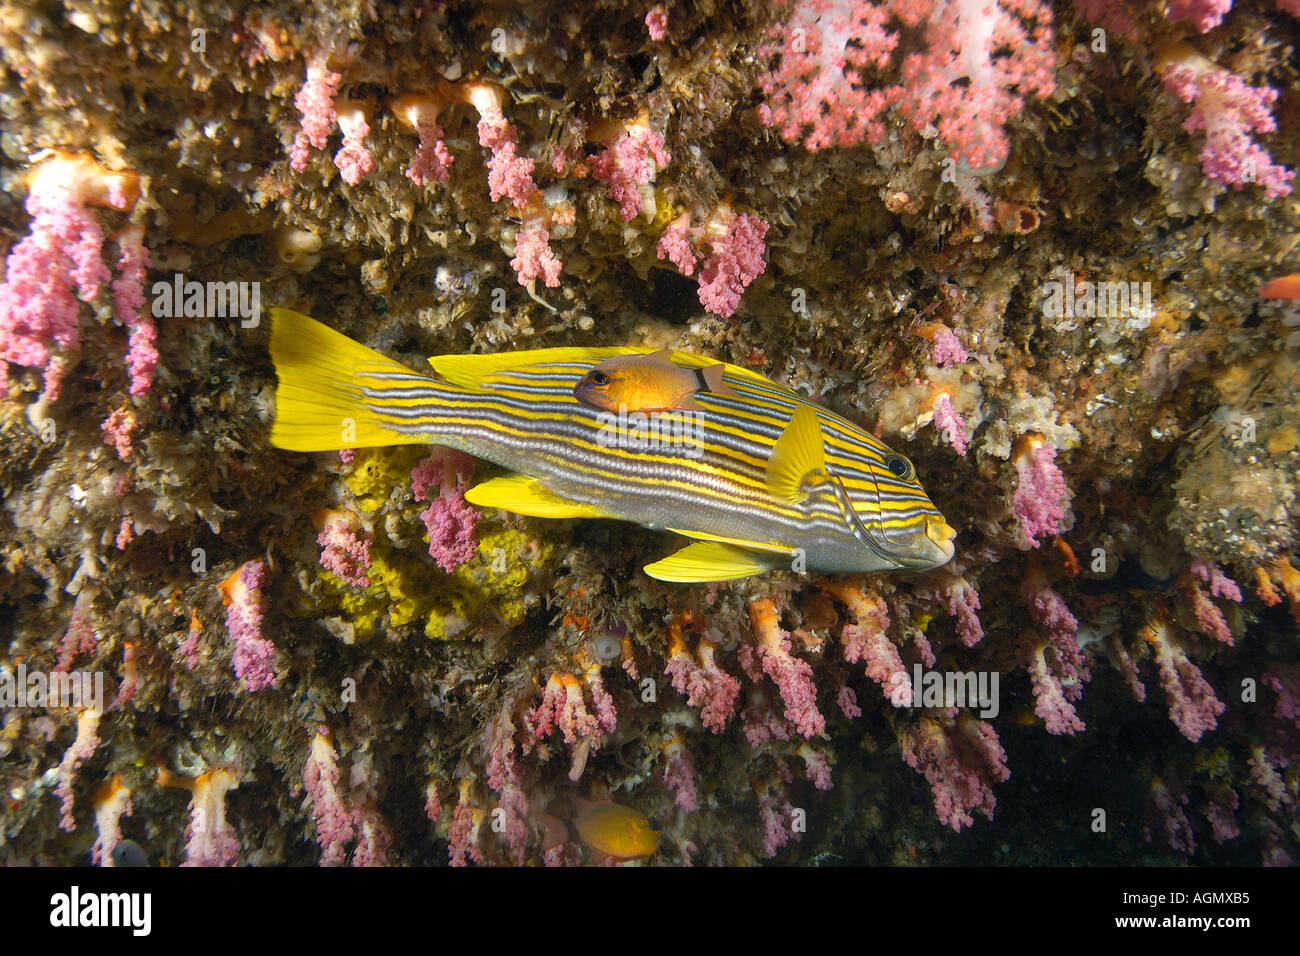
x=942 y=535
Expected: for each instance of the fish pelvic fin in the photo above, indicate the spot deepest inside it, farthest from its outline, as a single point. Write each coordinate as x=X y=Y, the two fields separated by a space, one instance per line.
x=525 y=495
x=319 y=404
x=798 y=458
x=709 y=561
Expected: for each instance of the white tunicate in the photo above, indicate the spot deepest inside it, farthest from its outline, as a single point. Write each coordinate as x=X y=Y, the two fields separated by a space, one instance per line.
x=442 y=278
x=605 y=647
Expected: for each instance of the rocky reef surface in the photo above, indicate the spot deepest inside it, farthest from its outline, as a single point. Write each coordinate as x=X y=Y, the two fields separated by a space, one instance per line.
x=1043 y=249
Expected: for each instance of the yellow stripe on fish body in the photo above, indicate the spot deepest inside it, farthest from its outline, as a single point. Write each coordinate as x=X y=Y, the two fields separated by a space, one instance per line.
x=840 y=500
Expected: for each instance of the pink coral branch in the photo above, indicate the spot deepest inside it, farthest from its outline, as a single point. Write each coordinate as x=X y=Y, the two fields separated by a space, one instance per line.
x=963 y=601
x=1059 y=681
x=1041 y=495
x=61 y=252
x=345 y=545
x=977 y=63
x=534 y=258
x=628 y=164
x=792 y=676
x=959 y=758
x=735 y=255
x=678 y=774
x=254 y=655
x=866 y=639
x=451 y=521
x=128 y=303
x=817 y=765
x=1229 y=111
x=118 y=430
x=353 y=160
x=433 y=159
x=83 y=746
x=335 y=822
x=703 y=682
x=1204 y=14
x=80 y=636
x=512 y=801
x=948 y=349
x=1167 y=808
x=949 y=422
x=1192 y=705
x=656 y=23
x=210 y=839
x=315 y=101
x=463 y=837
x=735 y=259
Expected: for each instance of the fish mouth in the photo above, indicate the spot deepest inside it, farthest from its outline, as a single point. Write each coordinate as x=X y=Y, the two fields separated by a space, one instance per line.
x=942 y=535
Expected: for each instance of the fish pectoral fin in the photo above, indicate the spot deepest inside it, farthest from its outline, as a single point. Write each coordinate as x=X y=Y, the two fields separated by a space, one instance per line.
x=708 y=561
x=712 y=378
x=736 y=542
x=525 y=495
x=798 y=457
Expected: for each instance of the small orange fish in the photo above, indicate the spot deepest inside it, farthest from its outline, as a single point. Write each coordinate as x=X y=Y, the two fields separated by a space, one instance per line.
x=647 y=383
x=1283 y=287
x=615 y=831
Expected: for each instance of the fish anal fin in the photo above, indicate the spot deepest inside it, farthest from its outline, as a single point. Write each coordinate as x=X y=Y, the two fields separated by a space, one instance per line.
x=708 y=561
x=798 y=456
x=525 y=495
x=735 y=542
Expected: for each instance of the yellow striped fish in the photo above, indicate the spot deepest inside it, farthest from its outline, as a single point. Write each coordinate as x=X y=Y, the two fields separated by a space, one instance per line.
x=759 y=475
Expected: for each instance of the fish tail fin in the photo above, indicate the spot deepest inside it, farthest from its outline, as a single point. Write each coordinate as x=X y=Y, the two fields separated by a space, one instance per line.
x=319 y=405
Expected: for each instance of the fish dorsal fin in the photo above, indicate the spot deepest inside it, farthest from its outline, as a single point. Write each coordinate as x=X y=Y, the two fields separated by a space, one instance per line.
x=798 y=457
x=712 y=379
x=469 y=371
x=708 y=561
x=736 y=542
x=525 y=495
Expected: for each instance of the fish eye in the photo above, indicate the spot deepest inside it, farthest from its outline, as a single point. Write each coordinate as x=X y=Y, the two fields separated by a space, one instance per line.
x=599 y=378
x=899 y=466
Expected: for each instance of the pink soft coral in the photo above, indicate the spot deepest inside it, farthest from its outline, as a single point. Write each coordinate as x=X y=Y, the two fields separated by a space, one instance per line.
x=254 y=655
x=315 y=101
x=1228 y=110
x=959 y=757
x=39 y=315
x=450 y=519
x=975 y=63
x=735 y=256
x=1041 y=494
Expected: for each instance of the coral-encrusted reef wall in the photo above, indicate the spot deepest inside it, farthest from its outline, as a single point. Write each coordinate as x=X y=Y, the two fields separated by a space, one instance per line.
x=1046 y=250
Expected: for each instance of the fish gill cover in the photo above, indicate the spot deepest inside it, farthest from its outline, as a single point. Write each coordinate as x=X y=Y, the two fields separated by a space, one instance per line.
x=1018 y=247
